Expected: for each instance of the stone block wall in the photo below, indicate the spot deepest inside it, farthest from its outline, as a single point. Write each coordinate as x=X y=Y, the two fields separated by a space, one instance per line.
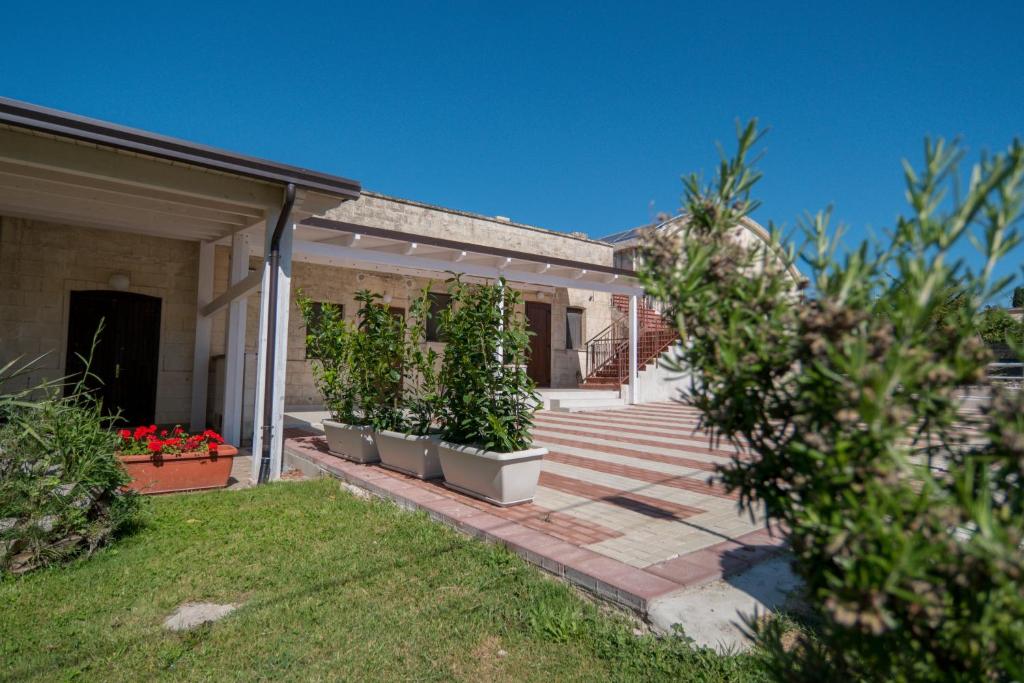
x=41 y=263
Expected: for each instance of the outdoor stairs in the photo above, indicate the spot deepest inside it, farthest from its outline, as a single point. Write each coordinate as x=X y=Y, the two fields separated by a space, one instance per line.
x=611 y=370
x=582 y=400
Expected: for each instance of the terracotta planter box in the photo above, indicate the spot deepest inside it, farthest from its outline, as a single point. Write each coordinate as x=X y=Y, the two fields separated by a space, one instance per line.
x=352 y=442
x=410 y=454
x=182 y=472
x=499 y=478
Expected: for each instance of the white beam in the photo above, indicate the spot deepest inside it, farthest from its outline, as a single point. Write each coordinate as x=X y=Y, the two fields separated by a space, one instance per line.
x=234 y=351
x=243 y=288
x=204 y=330
x=279 y=353
x=356 y=258
x=633 y=333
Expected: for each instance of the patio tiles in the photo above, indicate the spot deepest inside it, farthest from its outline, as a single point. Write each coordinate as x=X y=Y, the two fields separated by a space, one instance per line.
x=628 y=518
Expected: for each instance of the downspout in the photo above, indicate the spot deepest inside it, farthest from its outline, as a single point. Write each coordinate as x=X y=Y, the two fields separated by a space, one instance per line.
x=268 y=385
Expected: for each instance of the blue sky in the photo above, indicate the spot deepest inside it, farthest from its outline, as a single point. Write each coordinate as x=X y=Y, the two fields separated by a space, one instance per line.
x=568 y=116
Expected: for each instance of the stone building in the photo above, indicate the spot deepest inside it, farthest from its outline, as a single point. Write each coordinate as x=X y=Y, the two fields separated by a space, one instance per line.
x=191 y=256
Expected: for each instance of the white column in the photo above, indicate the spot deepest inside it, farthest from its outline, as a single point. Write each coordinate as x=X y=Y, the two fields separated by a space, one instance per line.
x=234 y=356
x=633 y=334
x=279 y=352
x=204 y=329
x=501 y=323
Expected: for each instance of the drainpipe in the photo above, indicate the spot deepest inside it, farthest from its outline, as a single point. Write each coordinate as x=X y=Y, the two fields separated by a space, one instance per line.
x=268 y=385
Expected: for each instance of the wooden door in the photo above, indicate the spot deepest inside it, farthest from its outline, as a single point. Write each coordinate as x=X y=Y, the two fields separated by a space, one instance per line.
x=538 y=321
x=125 y=363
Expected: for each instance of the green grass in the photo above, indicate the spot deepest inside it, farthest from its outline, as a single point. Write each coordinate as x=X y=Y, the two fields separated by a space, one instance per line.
x=333 y=587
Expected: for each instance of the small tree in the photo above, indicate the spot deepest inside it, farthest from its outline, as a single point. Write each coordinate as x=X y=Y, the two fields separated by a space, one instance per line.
x=421 y=388
x=378 y=362
x=1017 y=300
x=905 y=517
x=331 y=343
x=488 y=400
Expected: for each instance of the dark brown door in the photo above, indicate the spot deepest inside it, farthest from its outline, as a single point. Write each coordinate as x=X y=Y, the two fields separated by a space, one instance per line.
x=124 y=366
x=538 y=321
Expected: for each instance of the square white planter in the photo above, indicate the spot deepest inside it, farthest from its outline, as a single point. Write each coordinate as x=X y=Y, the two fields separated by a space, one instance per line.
x=410 y=454
x=352 y=442
x=499 y=478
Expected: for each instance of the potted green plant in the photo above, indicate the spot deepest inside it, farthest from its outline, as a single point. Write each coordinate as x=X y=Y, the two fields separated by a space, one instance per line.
x=488 y=400
x=407 y=439
x=166 y=460
x=338 y=352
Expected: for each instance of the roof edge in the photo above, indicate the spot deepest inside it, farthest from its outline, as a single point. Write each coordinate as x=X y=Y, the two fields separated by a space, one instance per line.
x=65 y=124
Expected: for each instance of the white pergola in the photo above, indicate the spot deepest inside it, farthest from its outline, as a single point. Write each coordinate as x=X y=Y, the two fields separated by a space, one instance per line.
x=61 y=167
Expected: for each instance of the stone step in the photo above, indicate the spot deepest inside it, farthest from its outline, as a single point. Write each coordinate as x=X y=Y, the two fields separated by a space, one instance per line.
x=576 y=393
x=580 y=405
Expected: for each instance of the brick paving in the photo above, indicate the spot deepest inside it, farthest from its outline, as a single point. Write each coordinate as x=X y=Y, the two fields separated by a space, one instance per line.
x=625 y=506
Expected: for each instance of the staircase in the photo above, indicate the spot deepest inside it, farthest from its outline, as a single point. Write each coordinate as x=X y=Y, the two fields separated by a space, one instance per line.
x=608 y=351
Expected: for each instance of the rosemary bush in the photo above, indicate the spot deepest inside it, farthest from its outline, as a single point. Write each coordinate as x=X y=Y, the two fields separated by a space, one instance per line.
x=487 y=400
x=905 y=515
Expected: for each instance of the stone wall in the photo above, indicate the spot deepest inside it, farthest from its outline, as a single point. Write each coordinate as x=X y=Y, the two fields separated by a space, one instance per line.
x=393 y=213
x=42 y=263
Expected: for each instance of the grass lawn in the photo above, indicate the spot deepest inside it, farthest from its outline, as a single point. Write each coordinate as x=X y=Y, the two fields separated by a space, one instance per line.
x=334 y=587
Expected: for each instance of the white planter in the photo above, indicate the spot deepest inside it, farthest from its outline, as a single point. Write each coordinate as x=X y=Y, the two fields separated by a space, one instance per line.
x=410 y=454
x=352 y=442
x=499 y=478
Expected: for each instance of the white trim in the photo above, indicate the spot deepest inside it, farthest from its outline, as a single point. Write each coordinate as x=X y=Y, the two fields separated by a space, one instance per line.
x=239 y=290
x=279 y=352
x=633 y=334
x=204 y=332
x=234 y=345
x=336 y=255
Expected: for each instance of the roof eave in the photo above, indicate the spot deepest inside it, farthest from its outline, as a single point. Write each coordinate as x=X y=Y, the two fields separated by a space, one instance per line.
x=67 y=125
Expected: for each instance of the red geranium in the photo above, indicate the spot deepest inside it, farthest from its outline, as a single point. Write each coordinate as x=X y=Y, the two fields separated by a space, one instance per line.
x=143 y=440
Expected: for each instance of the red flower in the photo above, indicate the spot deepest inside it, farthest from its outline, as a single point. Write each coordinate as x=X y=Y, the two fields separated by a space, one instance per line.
x=178 y=430
x=155 y=445
x=126 y=434
x=163 y=432
x=139 y=433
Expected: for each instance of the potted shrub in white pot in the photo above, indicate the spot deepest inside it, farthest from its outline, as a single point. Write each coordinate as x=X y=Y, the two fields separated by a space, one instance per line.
x=488 y=400
x=407 y=438
x=338 y=352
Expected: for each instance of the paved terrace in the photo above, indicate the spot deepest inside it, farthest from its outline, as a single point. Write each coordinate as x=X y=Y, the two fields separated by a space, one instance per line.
x=624 y=507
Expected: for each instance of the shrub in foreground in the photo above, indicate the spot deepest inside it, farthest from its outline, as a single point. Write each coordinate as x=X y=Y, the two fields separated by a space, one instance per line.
x=905 y=516
x=60 y=482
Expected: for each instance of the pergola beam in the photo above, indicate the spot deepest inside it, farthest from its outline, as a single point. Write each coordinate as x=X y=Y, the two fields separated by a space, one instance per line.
x=351 y=257
x=244 y=287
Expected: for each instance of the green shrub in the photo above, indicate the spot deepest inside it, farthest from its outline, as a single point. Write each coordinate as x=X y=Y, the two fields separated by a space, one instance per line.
x=999 y=327
x=488 y=400
x=330 y=343
x=377 y=362
x=379 y=372
x=60 y=482
x=421 y=381
x=905 y=525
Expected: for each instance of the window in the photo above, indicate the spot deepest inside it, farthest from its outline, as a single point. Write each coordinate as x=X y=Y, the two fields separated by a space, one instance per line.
x=574 y=328
x=317 y=314
x=438 y=303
